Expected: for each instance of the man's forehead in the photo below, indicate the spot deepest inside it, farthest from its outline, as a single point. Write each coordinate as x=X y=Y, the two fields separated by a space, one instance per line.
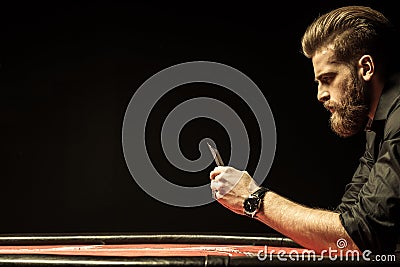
x=323 y=56
x=323 y=60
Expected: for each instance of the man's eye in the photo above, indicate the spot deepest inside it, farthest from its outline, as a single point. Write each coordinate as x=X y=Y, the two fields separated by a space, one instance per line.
x=325 y=80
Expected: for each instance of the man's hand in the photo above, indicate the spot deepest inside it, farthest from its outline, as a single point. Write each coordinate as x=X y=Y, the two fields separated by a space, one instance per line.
x=231 y=187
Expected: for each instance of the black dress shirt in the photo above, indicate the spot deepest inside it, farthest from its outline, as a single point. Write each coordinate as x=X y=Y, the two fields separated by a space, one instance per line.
x=370 y=207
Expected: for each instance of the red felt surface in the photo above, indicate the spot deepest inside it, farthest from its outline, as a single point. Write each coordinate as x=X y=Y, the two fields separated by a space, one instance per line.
x=147 y=250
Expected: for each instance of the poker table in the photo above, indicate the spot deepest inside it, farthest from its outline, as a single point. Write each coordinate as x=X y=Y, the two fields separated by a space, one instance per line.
x=154 y=249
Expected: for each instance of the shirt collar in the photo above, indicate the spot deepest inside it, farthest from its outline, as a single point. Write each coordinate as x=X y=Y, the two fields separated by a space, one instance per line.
x=389 y=94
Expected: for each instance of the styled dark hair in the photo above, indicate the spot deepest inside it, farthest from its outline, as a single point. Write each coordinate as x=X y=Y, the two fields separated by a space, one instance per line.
x=353 y=31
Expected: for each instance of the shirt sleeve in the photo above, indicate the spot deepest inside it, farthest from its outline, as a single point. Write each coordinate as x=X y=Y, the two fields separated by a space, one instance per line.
x=360 y=176
x=370 y=212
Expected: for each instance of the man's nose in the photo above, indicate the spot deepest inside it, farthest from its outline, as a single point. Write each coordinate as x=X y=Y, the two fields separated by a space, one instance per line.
x=323 y=95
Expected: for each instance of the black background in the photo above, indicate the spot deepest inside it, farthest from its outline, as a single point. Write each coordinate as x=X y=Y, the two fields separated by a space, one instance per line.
x=69 y=69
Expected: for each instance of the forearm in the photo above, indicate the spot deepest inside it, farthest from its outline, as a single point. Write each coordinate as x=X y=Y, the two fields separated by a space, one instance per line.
x=314 y=229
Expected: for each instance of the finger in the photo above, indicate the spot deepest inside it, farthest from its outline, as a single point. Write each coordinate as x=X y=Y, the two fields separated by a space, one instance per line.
x=214 y=185
x=217 y=195
x=221 y=168
x=222 y=191
x=219 y=177
x=215 y=172
x=220 y=187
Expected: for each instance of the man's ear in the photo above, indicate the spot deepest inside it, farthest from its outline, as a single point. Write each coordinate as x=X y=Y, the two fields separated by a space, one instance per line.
x=366 y=67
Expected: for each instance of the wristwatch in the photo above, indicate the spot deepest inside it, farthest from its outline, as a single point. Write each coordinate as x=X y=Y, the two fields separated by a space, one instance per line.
x=252 y=204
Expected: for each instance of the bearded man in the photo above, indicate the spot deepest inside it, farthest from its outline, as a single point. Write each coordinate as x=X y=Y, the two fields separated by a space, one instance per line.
x=354 y=56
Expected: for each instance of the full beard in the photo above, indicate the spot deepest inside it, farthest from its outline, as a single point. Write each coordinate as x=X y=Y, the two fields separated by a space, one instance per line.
x=350 y=115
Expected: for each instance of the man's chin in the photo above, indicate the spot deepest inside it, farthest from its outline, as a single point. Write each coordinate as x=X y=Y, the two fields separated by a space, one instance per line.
x=343 y=134
x=345 y=129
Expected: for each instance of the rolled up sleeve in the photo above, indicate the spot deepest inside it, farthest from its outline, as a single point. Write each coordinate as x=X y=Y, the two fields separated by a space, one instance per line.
x=373 y=219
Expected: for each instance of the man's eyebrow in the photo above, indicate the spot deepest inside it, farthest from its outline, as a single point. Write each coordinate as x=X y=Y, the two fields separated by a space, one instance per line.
x=318 y=78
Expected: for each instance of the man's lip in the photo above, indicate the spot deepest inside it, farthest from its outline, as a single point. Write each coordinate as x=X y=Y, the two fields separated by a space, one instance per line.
x=331 y=109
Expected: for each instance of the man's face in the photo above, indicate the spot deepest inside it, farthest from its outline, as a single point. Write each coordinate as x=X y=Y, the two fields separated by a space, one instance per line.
x=342 y=92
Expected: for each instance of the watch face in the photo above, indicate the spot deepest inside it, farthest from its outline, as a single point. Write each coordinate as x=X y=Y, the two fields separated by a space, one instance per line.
x=251 y=204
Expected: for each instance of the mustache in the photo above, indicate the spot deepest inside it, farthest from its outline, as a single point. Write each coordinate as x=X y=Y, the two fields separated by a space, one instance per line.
x=331 y=105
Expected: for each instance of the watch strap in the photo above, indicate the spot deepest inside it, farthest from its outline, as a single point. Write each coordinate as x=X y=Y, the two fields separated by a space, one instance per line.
x=260 y=192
